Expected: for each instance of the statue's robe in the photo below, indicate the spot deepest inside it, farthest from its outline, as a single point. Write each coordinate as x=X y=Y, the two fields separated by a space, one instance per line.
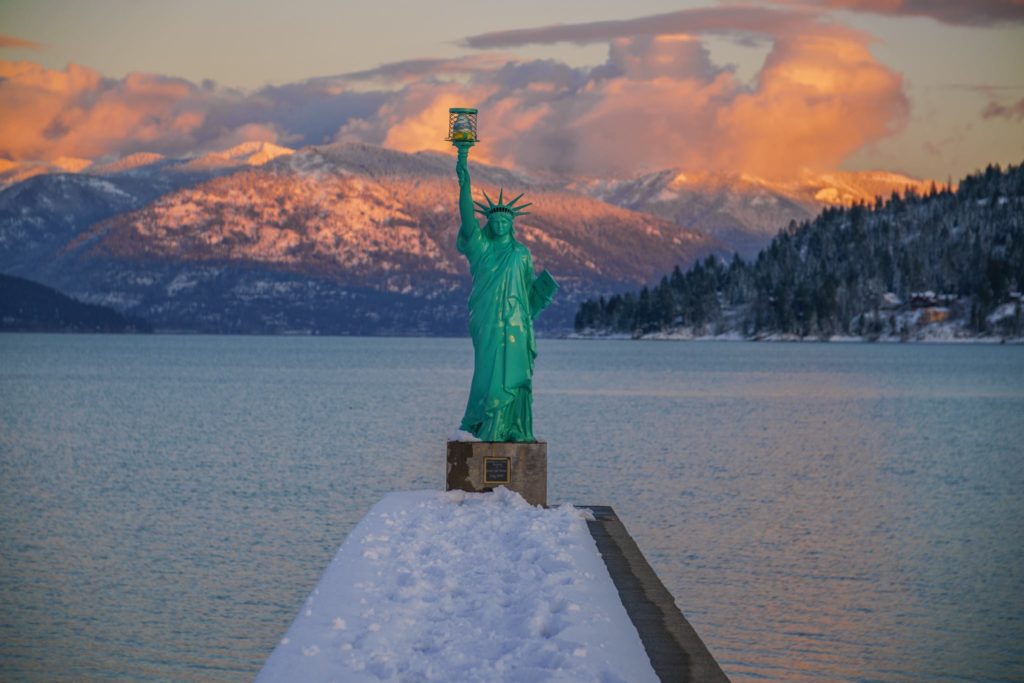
x=506 y=297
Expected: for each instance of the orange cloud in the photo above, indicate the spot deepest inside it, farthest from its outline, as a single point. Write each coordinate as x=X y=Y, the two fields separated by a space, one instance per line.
x=77 y=112
x=819 y=98
x=659 y=101
x=18 y=43
x=416 y=120
x=400 y=121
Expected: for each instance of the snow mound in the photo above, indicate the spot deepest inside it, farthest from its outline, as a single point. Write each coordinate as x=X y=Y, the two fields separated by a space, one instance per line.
x=462 y=435
x=455 y=586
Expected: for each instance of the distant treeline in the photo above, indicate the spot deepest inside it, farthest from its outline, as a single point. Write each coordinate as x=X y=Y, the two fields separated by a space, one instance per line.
x=27 y=306
x=825 y=276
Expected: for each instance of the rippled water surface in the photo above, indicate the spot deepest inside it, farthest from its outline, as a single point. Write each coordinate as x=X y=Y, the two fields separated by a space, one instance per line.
x=821 y=512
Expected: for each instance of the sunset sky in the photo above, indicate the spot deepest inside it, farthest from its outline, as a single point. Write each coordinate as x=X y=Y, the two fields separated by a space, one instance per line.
x=932 y=88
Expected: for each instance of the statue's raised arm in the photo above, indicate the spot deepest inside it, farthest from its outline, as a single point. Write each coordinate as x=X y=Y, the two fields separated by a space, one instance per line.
x=469 y=223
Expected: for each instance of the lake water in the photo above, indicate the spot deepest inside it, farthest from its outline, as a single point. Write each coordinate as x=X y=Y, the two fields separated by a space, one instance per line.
x=842 y=512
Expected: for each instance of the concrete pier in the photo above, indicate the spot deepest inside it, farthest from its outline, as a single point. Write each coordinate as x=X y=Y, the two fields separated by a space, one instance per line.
x=676 y=651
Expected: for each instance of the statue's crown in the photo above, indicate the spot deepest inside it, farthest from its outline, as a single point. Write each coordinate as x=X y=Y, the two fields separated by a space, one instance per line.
x=501 y=207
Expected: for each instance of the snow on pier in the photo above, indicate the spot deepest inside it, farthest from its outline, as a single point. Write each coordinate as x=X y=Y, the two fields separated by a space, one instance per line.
x=456 y=586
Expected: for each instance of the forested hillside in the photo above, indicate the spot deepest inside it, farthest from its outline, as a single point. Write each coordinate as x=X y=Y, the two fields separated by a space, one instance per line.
x=27 y=306
x=945 y=258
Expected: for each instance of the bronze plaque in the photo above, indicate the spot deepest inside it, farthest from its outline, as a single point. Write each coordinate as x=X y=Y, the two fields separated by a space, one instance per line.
x=497 y=469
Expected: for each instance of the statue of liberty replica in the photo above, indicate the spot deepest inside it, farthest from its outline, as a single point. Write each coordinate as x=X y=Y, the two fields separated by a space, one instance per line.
x=505 y=299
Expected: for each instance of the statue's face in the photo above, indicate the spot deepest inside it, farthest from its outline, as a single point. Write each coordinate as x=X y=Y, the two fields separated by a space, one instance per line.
x=501 y=224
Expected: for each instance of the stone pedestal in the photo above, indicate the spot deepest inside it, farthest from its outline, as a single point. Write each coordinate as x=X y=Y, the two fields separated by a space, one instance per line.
x=483 y=466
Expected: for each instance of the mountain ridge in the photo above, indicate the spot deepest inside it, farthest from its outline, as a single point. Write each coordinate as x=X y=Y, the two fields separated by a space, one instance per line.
x=743 y=210
x=334 y=231
x=328 y=226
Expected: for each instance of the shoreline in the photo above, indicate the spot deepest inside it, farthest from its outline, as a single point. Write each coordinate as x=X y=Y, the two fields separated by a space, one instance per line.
x=572 y=336
x=790 y=339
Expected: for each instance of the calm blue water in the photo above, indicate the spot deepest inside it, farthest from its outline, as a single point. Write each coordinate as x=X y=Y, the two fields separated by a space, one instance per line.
x=820 y=512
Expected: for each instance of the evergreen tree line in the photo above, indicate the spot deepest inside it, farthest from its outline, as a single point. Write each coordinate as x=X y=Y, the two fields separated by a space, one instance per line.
x=828 y=275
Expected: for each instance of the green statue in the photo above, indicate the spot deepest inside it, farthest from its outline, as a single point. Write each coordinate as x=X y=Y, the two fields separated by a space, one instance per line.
x=506 y=297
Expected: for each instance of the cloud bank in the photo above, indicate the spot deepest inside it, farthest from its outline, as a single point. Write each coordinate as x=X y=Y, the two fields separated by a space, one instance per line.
x=657 y=101
x=952 y=12
x=77 y=112
x=721 y=20
x=995 y=110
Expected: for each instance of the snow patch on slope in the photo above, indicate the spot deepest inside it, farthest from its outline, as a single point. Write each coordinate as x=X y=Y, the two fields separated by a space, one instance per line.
x=252 y=153
x=127 y=163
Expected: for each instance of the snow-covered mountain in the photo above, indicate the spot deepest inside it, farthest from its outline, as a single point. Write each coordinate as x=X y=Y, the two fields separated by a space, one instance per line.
x=343 y=238
x=42 y=212
x=846 y=188
x=356 y=238
x=126 y=163
x=740 y=210
x=41 y=215
x=253 y=153
x=192 y=169
x=314 y=213
x=12 y=172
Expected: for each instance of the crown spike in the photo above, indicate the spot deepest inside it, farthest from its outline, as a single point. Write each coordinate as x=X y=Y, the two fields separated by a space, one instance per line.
x=501 y=193
x=513 y=201
x=491 y=203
